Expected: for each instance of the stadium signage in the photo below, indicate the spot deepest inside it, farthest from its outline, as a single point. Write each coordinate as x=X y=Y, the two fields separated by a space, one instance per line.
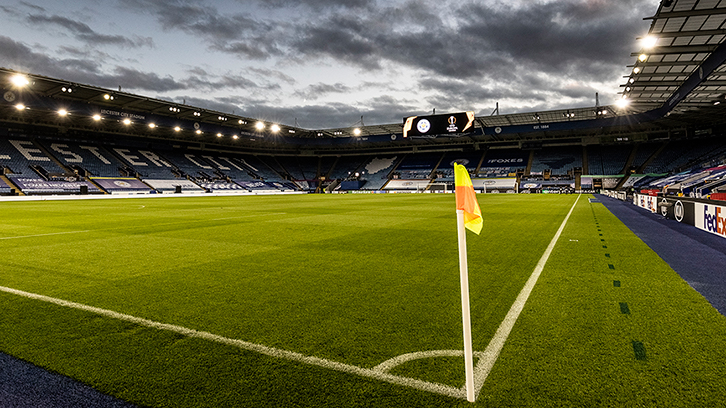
x=647 y=202
x=430 y=126
x=506 y=161
x=122 y=114
x=711 y=218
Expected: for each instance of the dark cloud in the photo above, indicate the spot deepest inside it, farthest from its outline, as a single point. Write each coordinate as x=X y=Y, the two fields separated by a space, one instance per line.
x=317 y=4
x=84 y=33
x=235 y=33
x=319 y=90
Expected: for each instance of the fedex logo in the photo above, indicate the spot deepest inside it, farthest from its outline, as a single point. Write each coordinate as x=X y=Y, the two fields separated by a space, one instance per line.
x=713 y=219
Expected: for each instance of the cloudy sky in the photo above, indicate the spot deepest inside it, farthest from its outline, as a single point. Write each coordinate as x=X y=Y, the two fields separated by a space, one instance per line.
x=327 y=63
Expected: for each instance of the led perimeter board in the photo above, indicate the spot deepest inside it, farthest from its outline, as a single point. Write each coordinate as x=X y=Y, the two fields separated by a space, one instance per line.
x=435 y=125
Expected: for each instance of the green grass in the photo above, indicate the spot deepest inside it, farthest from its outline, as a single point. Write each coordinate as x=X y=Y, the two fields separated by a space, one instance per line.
x=356 y=280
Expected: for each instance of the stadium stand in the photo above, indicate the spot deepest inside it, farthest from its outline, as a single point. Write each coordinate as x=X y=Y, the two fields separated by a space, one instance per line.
x=375 y=172
x=83 y=158
x=644 y=152
x=470 y=160
x=559 y=160
x=607 y=160
x=147 y=164
x=502 y=162
x=418 y=166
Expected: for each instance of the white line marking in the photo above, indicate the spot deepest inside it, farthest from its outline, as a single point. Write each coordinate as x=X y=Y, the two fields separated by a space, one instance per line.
x=45 y=235
x=485 y=364
x=389 y=364
x=269 y=351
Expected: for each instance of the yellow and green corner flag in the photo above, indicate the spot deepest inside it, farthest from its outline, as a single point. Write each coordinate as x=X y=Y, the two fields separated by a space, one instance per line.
x=466 y=199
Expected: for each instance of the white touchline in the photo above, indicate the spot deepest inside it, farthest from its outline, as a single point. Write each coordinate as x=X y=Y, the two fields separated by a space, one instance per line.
x=245 y=345
x=490 y=355
x=45 y=235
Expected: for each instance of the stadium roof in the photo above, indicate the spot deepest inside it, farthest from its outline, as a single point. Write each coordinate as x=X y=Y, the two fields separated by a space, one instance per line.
x=685 y=40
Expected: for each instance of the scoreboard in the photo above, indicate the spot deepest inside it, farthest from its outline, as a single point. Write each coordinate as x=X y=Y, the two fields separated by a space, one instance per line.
x=435 y=125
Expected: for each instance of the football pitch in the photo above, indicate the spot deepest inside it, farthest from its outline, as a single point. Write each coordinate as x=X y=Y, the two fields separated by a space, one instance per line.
x=350 y=301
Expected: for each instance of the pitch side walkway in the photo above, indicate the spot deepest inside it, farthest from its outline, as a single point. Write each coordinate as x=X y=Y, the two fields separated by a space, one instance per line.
x=25 y=385
x=698 y=256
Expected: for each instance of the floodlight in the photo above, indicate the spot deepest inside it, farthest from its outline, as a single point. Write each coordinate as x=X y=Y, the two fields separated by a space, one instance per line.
x=642 y=57
x=108 y=97
x=259 y=125
x=275 y=128
x=649 y=41
x=235 y=137
x=96 y=117
x=631 y=80
x=199 y=132
x=19 y=80
x=219 y=135
x=62 y=112
x=20 y=106
x=356 y=131
x=636 y=70
x=623 y=103
x=152 y=125
x=67 y=89
x=177 y=129
x=127 y=121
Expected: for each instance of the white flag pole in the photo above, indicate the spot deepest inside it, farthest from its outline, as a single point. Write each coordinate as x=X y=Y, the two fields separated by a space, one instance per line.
x=465 y=312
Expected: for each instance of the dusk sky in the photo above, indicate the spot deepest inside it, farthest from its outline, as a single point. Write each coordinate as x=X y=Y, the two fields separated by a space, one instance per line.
x=326 y=63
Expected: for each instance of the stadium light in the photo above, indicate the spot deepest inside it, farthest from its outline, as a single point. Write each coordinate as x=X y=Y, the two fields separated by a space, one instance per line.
x=219 y=135
x=649 y=41
x=275 y=128
x=20 y=106
x=636 y=70
x=152 y=125
x=199 y=132
x=177 y=129
x=235 y=137
x=356 y=131
x=96 y=117
x=642 y=57
x=108 y=97
x=623 y=102
x=127 y=121
x=67 y=89
x=62 y=112
x=19 y=80
x=259 y=126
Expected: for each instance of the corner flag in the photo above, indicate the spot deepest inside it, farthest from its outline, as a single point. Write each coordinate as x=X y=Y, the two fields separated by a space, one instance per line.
x=466 y=199
x=468 y=216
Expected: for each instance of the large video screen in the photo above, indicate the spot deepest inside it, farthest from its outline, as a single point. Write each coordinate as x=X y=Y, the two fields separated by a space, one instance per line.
x=435 y=125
